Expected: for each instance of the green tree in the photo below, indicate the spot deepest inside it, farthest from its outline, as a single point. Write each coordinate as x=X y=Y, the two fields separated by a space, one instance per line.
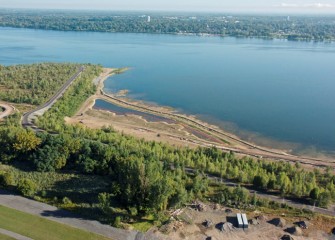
x=26 y=141
x=104 y=201
x=314 y=194
x=260 y=182
x=323 y=199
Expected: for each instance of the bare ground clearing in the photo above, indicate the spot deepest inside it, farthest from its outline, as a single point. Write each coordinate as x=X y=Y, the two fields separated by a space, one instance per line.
x=189 y=223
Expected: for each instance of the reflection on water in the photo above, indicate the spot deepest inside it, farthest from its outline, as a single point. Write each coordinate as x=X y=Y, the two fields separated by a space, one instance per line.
x=101 y=104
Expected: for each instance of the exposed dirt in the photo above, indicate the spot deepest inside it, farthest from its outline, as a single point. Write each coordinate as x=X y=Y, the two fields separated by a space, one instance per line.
x=173 y=134
x=6 y=110
x=189 y=223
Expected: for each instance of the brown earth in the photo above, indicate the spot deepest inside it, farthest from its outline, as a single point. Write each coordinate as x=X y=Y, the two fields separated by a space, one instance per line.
x=188 y=224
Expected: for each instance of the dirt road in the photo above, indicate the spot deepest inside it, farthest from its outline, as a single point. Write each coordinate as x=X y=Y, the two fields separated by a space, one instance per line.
x=7 y=110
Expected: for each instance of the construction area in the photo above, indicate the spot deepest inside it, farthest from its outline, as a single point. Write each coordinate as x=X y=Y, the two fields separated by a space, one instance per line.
x=201 y=221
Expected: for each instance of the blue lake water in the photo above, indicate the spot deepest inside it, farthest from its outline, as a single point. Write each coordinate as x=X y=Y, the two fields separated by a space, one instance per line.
x=263 y=90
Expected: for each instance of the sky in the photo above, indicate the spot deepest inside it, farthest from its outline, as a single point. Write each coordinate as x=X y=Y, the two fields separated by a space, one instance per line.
x=299 y=6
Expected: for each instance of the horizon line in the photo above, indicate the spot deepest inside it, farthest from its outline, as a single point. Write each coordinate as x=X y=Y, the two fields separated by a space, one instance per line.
x=235 y=11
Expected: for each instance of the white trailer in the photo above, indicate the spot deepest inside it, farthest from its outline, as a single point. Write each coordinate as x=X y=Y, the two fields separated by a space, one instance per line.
x=245 y=220
x=239 y=220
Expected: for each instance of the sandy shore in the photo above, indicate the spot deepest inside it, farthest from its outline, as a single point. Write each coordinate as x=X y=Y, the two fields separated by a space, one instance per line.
x=188 y=130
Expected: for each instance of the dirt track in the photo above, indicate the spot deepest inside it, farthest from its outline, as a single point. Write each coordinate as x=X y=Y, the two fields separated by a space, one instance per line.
x=7 y=110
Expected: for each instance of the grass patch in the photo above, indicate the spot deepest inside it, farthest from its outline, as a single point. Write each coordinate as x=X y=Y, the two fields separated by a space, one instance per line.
x=53 y=187
x=5 y=237
x=143 y=226
x=39 y=228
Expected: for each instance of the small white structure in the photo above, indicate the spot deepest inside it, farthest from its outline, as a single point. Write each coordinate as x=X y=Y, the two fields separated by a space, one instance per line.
x=239 y=220
x=149 y=19
x=245 y=220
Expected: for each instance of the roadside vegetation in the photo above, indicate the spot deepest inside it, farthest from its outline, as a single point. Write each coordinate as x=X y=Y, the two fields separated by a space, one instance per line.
x=122 y=180
x=39 y=228
x=308 y=28
x=35 y=83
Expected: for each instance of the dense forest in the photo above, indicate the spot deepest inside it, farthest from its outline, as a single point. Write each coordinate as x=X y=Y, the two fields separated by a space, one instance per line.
x=315 y=28
x=139 y=177
x=33 y=84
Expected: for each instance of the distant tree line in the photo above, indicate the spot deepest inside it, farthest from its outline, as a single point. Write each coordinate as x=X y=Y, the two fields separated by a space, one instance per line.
x=315 y=28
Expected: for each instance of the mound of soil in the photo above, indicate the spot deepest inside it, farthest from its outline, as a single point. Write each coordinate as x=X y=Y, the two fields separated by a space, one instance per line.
x=297 y=231
x=253 y=221
x=286 y=237
x=207 y=223
x=278 y=222
x=261 y=218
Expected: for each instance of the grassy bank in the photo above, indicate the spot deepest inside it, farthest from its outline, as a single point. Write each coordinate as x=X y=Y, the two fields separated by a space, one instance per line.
x=40 y=228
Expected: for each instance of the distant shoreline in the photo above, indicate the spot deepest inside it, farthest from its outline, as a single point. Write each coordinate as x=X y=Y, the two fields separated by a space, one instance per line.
x=182 y=34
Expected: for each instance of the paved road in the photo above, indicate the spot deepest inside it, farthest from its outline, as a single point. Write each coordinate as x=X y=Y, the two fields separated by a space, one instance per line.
x=13 y=235
x=7 y=110
x=52 y=213
x=271 y=197
x=28 y=118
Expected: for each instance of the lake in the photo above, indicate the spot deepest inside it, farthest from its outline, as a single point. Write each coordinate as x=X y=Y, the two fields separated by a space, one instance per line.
x=270 y=92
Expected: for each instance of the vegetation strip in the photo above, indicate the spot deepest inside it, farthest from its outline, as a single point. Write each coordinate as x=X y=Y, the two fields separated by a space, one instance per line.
x=37 y=228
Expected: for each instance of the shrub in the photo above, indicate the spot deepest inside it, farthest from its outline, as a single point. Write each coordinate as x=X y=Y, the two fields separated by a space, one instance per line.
x=6 y=179
x=27 y=187
x=117 y=222
x=66 y=201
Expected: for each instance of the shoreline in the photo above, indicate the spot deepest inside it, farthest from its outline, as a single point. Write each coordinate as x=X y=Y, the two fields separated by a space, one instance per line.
x=230 y=141
x=307 y=40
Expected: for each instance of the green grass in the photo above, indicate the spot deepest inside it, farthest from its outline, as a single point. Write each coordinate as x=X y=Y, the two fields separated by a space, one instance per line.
x=142 y=226
x=39 y=228
x=5 y=237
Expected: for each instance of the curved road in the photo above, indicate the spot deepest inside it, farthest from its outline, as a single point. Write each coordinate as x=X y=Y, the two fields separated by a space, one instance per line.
x=28 y=118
